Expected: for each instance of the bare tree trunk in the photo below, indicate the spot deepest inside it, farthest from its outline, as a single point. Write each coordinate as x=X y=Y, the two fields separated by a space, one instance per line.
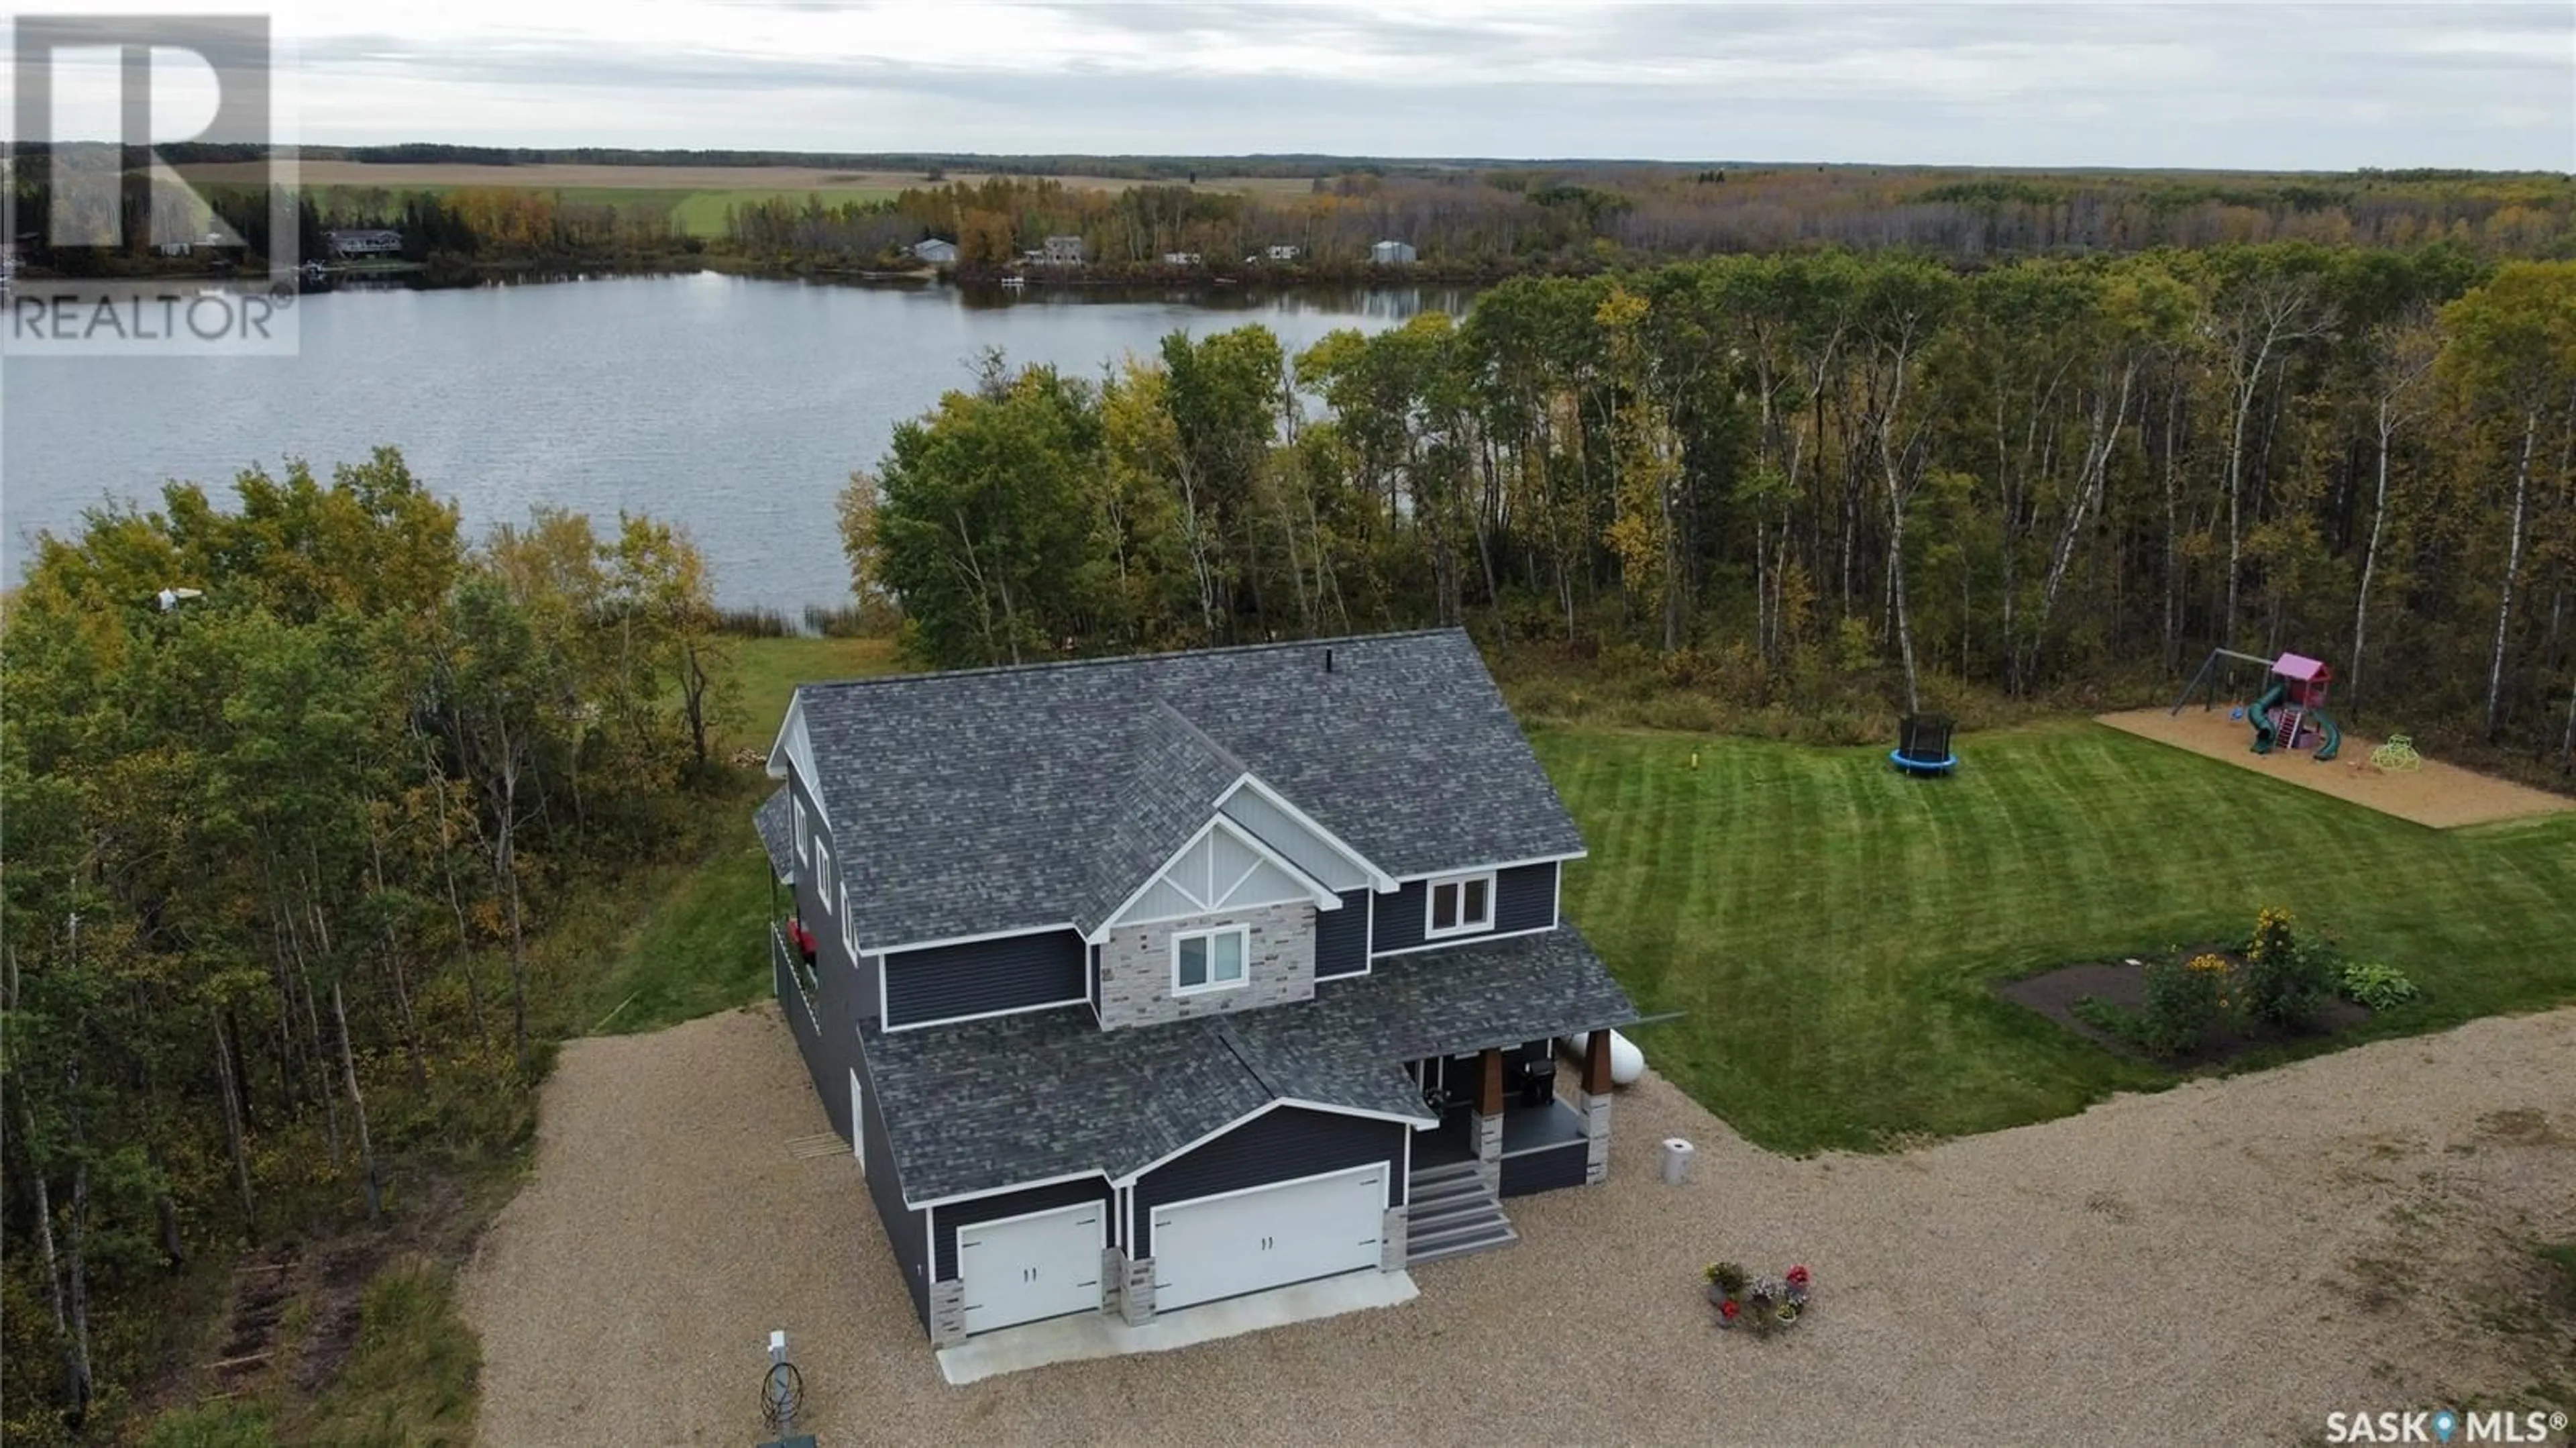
x=2369 y=564
x=73 y=1388
x=2512 y=566
x=357 y=1105
x=229 y=1080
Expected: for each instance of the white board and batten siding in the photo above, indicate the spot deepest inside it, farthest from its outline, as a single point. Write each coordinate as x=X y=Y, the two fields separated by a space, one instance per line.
x=1265 y=1237
x=1025 y=1269
x=1294 y=842
x=1219 y=871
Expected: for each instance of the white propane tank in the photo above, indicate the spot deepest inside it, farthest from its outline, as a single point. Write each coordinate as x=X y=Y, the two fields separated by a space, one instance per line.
x=1627 y=1063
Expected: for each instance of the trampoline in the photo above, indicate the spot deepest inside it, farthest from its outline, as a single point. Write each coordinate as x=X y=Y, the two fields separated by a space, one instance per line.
x=1923 y=744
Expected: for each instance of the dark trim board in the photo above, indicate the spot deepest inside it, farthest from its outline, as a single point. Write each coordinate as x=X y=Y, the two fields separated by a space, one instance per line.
x=1545 y=1171
x=1014 y=1204
x=1524 y=899
x=1280 y=1145
x=985 y=977
x=903 y=1227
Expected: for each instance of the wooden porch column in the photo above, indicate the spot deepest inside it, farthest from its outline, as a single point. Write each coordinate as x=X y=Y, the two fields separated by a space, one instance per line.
x=1596 y=1063
x=1489 y=1082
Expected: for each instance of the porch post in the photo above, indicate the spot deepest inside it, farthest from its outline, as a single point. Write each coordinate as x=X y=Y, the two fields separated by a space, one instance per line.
x=1593 y=1100
x=1488 y=1119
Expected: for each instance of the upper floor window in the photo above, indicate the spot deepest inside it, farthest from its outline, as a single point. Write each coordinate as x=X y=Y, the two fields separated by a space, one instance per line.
x=800 y=827
x=1209 y=959
x=1460 y=905
x=849 y=929
x=825 y=887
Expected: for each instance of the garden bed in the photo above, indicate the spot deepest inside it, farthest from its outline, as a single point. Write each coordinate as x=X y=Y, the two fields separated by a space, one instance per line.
x=2122 y=985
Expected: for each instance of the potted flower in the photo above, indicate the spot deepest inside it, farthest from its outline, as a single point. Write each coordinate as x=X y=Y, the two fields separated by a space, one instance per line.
x=1796 y=1280
x=1728 y=1310
x=1725 y=1281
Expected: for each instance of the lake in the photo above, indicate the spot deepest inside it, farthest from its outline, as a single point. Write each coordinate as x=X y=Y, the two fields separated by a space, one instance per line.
x=735 y=406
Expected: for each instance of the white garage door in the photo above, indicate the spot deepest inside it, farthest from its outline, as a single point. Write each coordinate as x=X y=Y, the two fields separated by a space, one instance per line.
x=1247 y=1241
x=1021 y=1269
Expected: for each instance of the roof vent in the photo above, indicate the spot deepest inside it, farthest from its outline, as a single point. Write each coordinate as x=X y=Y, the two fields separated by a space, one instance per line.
x=1328 y=661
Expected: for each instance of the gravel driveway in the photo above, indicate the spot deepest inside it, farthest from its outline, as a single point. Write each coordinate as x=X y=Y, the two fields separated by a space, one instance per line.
x=2223 y=1262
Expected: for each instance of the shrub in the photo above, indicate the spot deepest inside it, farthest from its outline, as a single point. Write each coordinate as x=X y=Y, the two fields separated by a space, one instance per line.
x=2183 y=1000
x=2287 y=976
x=2380 y=987
x=2108 y=1017
x=1727 y=1277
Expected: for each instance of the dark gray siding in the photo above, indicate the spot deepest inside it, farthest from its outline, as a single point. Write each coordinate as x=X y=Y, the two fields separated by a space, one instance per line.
x=1341 y=936
x=1544 y=1171
x=946 y=1220
x=1524 y=899
x=905 y=1231
x=1010 y=974
x=828 y=1038
x=1284 y=1144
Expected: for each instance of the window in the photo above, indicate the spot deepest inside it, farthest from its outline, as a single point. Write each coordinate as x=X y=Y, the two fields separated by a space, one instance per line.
x=1209 y=959
x=800 y=827
x=849 y=930
x=825 y=887
x=1460 y=906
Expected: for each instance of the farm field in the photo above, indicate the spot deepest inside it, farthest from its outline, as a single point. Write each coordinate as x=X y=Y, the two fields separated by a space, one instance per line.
x=696 y=197
x=1832 y=930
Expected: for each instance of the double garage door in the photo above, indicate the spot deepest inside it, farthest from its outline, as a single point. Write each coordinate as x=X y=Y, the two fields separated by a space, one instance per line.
x=1249 y=1241
x=1047 y=1264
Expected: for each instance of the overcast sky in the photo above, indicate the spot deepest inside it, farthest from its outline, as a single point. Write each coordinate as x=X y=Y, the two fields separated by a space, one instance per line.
x=2326 y=86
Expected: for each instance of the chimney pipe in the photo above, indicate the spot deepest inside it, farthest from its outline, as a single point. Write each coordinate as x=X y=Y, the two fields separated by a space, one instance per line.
x=1328 y=661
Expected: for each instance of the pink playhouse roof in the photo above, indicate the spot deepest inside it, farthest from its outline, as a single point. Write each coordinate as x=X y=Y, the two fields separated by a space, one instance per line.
x=2298 y=666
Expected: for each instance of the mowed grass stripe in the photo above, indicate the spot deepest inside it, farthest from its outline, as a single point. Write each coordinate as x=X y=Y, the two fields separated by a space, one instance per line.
x=1833 y=931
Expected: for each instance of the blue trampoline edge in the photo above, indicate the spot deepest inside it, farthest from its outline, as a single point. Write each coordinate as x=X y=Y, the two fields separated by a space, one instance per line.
x=1942 y=765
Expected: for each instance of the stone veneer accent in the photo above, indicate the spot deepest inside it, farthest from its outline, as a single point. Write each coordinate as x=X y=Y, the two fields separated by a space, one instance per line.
x=1390 y=1238
x=1596 y=1134
x=1113 y=1278
x=1136 y=967
x=947 y=1313
x=1136 y=1294
x=1489 y=1152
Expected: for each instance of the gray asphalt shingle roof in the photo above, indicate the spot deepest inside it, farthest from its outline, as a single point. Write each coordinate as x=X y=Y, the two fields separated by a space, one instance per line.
x=1018 y=1099
x=777 y=831
x=992 y=800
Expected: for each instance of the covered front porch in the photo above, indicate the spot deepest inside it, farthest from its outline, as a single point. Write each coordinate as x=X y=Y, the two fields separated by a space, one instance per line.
x=1511 y=1120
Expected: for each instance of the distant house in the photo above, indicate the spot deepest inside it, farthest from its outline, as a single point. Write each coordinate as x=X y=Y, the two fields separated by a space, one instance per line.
x=363 y=242
x=1281 y=253
x=1063 y=251
x=1391 y=253
x=1180 y=258
x=936 y=252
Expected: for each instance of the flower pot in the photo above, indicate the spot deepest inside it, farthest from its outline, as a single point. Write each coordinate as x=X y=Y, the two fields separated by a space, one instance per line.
x=1716 y=1294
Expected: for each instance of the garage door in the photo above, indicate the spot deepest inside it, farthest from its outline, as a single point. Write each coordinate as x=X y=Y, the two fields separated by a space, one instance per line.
x=1267 y=1237
x=1021 y=1269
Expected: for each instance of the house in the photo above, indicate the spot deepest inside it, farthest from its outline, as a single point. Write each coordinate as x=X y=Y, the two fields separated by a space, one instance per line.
x=1143 y=983
x=936 y=252
x=1391 y=253
x=1062 y=251
x=1279 y=253
x=1180 y=258
x=365 y=242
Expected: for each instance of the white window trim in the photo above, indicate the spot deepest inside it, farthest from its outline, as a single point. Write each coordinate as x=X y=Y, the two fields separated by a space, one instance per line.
x=824 y=885
x=800 y=825
x=1213 y=985
x=1431 y=889
x=849 y=929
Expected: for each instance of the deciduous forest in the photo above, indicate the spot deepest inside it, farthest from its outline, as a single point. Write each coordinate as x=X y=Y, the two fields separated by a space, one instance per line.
x=278 y=842
x=1828 y=482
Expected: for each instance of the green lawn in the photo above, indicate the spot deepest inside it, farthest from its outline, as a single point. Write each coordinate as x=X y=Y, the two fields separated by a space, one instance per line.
x=702 y=945
x=1832 y=930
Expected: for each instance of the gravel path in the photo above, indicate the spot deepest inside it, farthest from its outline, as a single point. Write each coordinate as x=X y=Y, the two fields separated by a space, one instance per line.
x=2223 y=1262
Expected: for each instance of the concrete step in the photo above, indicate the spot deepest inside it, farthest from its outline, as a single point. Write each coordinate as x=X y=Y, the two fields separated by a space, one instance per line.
x=1458 y=1240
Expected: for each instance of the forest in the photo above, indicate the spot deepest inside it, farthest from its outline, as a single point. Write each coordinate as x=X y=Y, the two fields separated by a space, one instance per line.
x=292 y=778
x=1837 y=482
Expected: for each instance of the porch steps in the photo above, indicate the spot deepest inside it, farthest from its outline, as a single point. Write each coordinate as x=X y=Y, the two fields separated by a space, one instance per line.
x=1452 y=1215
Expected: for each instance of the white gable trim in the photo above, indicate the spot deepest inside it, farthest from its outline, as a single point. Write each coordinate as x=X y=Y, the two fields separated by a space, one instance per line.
x=1264 y=1109
x=1378 y=879
x=1315 y=889
x=792 y=747
x=954 y=1198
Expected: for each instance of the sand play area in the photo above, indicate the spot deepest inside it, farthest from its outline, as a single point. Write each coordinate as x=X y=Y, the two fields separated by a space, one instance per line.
x=2443 y=796
x=2224 y=1262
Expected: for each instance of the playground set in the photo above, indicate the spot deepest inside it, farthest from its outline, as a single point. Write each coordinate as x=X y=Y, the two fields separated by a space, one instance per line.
x=2289 y=713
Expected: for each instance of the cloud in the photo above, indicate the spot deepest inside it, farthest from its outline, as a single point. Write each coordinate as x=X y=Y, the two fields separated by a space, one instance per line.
x=2277 y=86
